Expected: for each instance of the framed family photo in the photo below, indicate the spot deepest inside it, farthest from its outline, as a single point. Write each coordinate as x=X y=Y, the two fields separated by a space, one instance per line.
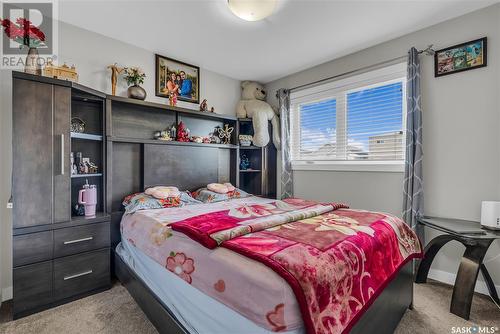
x=461 y=57
x=177 y=78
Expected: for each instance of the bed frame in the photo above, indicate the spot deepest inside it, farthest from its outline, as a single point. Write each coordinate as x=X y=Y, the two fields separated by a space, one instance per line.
x=384 y=314
x=135 y=162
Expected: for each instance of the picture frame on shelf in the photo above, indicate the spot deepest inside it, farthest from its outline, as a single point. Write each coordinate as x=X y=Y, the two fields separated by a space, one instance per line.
x=174 y=78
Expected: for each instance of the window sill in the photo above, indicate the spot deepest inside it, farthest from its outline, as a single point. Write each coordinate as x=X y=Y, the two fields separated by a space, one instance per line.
x=351 y=166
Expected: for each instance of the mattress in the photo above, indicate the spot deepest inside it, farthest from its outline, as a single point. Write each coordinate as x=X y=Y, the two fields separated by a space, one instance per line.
x=290 y=265
x=196 y=311
x=247 y=287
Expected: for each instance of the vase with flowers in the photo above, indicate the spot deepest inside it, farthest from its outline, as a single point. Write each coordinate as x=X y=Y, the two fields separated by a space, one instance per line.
x=27 y=35
x=135 y=77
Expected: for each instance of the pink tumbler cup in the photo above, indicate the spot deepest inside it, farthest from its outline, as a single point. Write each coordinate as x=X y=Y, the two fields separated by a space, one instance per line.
x=88 y=198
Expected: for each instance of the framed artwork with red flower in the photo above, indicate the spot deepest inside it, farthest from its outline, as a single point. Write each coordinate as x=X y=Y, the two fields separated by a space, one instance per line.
x=177 y=79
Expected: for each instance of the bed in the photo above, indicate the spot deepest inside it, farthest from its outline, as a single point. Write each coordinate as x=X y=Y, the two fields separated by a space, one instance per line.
x=249 y=276
x=170 y=301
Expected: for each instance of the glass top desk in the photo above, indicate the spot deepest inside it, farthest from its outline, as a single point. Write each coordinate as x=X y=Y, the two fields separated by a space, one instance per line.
x=477 y=240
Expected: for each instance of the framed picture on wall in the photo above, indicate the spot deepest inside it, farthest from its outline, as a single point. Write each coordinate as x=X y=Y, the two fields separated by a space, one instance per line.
x=177 y=78
x=461 y=57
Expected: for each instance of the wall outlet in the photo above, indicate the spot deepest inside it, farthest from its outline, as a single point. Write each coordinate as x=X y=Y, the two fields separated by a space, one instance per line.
x=10 y=205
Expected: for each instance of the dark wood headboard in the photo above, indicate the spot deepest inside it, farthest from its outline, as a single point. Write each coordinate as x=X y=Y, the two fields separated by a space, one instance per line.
x=187 y=167
x=135 y=161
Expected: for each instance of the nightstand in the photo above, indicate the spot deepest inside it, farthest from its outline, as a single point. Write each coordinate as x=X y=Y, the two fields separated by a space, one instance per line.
x=477 y=241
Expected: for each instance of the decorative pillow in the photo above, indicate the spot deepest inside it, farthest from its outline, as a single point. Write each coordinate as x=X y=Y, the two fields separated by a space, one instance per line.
x=207 y=196
x=221 y=188
x=187 y=199
x=163 y=192
x=142 y=201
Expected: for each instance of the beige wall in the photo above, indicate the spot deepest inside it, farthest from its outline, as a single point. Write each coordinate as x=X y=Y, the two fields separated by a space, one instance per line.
x=91 y=53
x=461 y=134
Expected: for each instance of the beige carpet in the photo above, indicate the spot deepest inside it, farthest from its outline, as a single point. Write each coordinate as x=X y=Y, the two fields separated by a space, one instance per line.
x=114 y=311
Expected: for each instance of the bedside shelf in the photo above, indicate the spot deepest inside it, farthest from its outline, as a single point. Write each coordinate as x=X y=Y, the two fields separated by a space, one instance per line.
x=161 y=107
x=173 y=142
x=99 y=217
x=76 y=176
x=250 y=147
x=85 y=136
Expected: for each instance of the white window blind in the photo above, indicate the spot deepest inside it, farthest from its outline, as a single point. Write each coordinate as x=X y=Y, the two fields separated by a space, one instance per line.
x=360 y=119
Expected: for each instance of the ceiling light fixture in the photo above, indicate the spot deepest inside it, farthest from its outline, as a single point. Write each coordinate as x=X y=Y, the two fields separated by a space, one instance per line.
x=252 y=10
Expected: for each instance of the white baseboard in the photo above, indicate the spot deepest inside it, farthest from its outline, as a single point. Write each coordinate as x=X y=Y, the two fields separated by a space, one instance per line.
x=6 y=293
x=449 y=278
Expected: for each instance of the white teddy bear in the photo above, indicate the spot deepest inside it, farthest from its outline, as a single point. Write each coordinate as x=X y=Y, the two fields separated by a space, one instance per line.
x=253 y=105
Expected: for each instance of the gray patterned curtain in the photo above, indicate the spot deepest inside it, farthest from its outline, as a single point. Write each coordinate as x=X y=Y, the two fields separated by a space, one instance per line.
x=286 y=166
x=413 y=193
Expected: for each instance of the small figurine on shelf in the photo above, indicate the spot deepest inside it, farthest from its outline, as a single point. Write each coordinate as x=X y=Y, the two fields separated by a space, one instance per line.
x=204 y=105
x=93 y=168
x=81 y=165
x=79 y=210
x=244 y=162
x=115 y=70
x=73 y=166
x=63 y=72
x=182 y=133
x=197 y=139
x=225 y=134
x=77 y=125
x=172 y=99
x=173 y=132
x=214 y=139
x=206 y=140
x=163 y=135
x=212 y=109
x=245 y=140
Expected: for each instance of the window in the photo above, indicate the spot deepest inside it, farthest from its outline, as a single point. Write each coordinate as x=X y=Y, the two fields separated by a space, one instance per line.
x=355 y=123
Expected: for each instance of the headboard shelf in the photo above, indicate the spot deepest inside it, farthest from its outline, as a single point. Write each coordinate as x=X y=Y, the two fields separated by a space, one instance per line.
x=164 y=107
x=161 y=142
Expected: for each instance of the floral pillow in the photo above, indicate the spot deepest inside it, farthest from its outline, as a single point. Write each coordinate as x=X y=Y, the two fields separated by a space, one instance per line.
x=207 y=196
x=142 y=201
x=163 y=192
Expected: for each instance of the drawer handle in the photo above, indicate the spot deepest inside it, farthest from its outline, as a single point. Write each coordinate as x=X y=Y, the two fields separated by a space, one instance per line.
x=88 y=272
x=78 y=240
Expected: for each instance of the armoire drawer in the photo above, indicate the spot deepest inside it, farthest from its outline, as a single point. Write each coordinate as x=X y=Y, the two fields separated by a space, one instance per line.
x=73 y=240
x=32 y=248
x=32 y=286
x=81 y=273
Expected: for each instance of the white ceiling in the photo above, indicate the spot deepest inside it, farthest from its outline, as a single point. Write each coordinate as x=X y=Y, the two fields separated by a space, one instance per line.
x=300 y=34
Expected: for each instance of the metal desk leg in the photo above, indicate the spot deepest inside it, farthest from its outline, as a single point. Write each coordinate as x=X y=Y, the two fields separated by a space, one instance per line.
x=430 y=252
x=489 y=283
x=463 y=291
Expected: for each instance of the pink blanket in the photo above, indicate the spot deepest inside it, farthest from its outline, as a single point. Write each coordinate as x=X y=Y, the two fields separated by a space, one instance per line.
x=248 y=287
x=336 y=261
x=303 y=263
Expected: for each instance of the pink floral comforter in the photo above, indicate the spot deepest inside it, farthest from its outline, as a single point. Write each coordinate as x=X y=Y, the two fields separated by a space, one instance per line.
x=335 y=260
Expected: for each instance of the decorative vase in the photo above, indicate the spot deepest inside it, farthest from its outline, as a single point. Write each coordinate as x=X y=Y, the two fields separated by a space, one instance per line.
x=32 y=64
x=136 y=92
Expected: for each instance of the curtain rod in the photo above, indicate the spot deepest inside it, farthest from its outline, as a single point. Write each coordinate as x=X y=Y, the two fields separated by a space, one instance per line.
x=427 y=51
